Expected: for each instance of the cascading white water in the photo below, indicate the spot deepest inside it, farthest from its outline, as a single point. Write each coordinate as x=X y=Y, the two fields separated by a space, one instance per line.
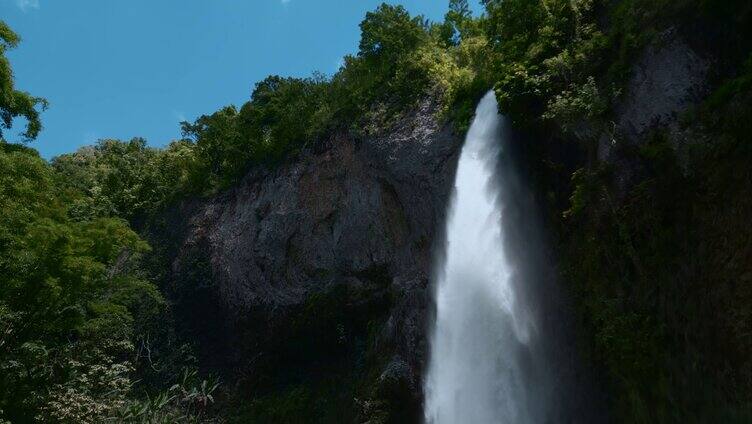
x=482 y=366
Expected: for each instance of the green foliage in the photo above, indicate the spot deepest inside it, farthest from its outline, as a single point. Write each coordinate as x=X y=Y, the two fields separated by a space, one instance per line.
x=384 y=77
x=653 y=246
x=458 y=24
x=549 y=51
x=76 y=309
x=67 y=300
x=124 y=179
x=580 y=102
x=389 y=33
x=588 y=189
x=653 y=265
x=14 y=103
x=730 y=88
x=401 y=60
x=291 y=406
x=282 y=117
x=186 y=401
x=218 y=150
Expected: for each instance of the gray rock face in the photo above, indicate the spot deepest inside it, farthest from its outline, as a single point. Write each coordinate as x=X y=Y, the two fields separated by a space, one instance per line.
x=341 y=216
x=667 y=78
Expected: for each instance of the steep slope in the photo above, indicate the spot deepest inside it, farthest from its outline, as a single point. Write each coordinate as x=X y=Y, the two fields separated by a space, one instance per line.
x=321 y=267
x=652 y=241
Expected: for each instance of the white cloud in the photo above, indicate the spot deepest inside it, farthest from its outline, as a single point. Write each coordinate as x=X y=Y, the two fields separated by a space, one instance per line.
x=26 y=5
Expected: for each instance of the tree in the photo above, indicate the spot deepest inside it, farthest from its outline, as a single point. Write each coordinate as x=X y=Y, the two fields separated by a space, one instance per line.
x=389 y=32
x=457 y=22
x=218 y=149
x=14 y=103
x=284 y=115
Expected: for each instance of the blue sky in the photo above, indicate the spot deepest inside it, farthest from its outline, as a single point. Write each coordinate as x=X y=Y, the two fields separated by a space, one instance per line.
x=120 y=69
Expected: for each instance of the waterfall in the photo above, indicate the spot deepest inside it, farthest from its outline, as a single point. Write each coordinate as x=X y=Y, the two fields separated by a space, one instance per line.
x=486 y=362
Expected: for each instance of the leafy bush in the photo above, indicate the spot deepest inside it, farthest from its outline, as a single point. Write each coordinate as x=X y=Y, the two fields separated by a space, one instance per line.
x=186 y=401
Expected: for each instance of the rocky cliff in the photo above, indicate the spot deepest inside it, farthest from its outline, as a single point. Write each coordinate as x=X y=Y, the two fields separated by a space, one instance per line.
x=324 y=260
x=651 y=239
